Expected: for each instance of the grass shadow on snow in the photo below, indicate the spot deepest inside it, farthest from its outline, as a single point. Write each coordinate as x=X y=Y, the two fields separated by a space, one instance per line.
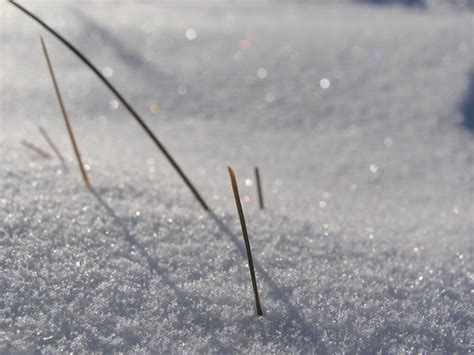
x=467 y=105
x=291 y=313
x=120 y=48
x=182 y=299
x=414 y=3
x=153 y=265
x=294 y=315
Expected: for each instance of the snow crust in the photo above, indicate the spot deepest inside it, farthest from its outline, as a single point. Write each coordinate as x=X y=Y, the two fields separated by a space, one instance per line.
x=356 y=123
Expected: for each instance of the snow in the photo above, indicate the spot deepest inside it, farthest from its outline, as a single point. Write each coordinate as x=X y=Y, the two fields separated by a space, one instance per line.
x=354 y=115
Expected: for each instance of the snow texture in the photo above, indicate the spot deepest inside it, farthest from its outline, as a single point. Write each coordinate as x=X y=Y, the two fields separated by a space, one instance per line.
x=360 y=120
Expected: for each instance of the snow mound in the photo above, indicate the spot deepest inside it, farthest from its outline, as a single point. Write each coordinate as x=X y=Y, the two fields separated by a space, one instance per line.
x=354 y=115
x=126 y=268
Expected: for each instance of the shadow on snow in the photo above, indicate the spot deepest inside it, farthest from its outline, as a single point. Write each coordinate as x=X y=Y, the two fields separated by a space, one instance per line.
x=416 y=3
x=467 y=105
x=291 y=316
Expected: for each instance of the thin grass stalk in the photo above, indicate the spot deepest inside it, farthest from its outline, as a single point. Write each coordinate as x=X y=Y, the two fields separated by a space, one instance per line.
x=36 y=149
x=66 y=118
x=235 y=189
x=52 y=145
x=259 y=188
x=129 y=108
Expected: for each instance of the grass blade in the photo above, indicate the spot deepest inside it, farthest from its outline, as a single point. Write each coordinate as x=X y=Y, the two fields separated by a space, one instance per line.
x=129 y=108
x=52 y=145
x=36 y=149
x=259 y=188
x=66 y=119
x=235 y=189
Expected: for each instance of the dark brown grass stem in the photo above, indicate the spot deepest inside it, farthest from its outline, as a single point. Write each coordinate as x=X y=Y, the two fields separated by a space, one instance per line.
x=235 y=189
x=129 y=108
x=259 y=188
x=66 y=119
x=36 y=149
x=52 y=145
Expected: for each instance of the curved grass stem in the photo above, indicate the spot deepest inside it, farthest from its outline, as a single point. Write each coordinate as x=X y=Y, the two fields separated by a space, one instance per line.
x=125 y=103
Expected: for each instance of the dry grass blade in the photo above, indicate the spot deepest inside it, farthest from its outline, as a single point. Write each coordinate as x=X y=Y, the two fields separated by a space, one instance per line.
x=66 y=119
x=235 y=189
x=36 y=149
x=52 y=145
x=129 y=108
x=259 y=188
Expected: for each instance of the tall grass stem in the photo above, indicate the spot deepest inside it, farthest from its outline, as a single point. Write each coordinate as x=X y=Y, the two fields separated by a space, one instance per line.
x=235 y=189
x=125 y=103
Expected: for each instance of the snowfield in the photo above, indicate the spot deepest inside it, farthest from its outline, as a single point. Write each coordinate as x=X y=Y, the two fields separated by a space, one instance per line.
x=356 y=117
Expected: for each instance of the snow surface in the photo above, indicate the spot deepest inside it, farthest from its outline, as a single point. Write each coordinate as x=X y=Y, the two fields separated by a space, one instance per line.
x=366 y=244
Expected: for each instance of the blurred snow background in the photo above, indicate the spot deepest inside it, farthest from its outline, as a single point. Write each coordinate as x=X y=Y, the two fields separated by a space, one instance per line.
x=360 y=119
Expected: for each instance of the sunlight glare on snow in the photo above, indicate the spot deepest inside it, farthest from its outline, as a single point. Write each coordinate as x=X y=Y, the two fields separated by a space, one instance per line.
x=108 y=72
x=191 y=34
x=388 y=141
x=155 y=108
x=325 y=83
x=269 y=97
x=113 y=104
x=262 y=73
x=182 y=90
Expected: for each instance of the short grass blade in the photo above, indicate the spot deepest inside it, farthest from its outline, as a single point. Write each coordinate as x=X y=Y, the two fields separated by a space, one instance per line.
x=66 y=118
x=235 y=189
x=52 y=145
x=259 y=188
